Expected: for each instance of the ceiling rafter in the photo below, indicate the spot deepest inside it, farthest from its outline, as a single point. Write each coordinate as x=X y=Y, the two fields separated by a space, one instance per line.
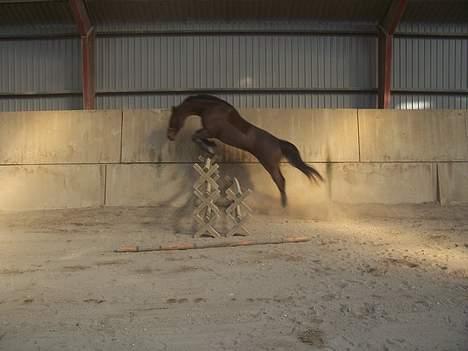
x=81 y=16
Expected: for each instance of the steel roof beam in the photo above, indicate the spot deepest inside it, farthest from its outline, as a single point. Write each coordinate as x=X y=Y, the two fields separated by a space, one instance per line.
x=19 y=2
x=387 y=27
x=87 y=33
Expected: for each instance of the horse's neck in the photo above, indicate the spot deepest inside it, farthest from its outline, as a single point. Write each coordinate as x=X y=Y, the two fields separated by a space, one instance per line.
x=186 y=111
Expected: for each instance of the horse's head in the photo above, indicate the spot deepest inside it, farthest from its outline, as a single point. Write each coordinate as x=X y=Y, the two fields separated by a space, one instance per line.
x=174 y=125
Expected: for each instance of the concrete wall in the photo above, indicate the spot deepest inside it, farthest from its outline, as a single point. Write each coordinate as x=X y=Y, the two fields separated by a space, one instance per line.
x=320 y=135
x=51 y=186
x=60 y=137
x=114 y=158
x=453 y=180
x=413 y=135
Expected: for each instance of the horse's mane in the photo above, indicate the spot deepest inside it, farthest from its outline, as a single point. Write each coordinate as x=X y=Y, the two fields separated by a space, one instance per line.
x=207 y=97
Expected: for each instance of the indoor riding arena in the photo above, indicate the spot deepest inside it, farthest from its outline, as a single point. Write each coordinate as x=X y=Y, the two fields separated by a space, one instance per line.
x=203 y=175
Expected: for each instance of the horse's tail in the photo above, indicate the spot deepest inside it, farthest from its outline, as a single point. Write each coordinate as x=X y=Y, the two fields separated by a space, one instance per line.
x=292 y=155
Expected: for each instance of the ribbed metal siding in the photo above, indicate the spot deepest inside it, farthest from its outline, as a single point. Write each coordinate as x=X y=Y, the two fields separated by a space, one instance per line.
x=427 y=102
x=49 y=103
x=40 y=66
x=245 y=100
x=430 y=64
x=111 y=13
x=425 y=67
x=36 y=17
x=427 y=28
x=216 y=26
x=235 y=61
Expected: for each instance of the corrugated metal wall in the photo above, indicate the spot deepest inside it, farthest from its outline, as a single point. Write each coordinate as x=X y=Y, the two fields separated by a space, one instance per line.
x=428 y=71
x=258 y=70
x=40 y=66
x=245 y=25
x=427 y=102
x=186 y=62
x=430 y=64
x=239 y=62
x=49 y=103
x=428 y=28
x=432 y=67
x=245 y=100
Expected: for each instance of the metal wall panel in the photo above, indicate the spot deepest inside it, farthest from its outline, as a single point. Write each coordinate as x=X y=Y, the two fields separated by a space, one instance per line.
x=244 y=101
x=235 y=61
x=428 y=28
x=40 y=65
x=44 y=103
x=430 y=64
x=216 y=25
x=111 y=13
x=427 y=102
x=36 y=17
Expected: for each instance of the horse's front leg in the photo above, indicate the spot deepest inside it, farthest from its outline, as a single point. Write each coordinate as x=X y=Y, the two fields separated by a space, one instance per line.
x=201 y=138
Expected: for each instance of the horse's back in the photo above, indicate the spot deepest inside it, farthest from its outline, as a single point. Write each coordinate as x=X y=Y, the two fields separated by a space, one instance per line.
x=225 y=123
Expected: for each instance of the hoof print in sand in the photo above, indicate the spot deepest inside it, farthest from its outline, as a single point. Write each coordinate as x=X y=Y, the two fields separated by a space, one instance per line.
x=313 y=337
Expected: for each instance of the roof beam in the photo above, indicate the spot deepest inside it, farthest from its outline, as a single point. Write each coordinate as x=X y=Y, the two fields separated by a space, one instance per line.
x=392 y=18
x=387 y=27
x=87 y=33
x=26 y=1
x=80 y=14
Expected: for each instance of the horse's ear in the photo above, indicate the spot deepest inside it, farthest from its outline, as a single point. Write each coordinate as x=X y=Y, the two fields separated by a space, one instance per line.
x=172 y=109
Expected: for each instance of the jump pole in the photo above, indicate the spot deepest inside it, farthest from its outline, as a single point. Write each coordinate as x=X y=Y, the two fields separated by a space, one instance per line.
x=210 y=245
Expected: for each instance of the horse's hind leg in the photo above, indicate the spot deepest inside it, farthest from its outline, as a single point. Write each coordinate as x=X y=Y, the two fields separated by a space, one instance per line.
x=201 y=138
x=280 y=182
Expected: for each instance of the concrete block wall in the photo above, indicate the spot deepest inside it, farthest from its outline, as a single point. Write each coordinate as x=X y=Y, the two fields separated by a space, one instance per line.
x=60 y=137
x=123 y=158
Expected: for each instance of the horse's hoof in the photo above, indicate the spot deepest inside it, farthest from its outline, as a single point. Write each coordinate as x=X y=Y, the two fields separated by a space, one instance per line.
x=210 y=150
x=209 y=143
x=284 y=201
x=208 y=147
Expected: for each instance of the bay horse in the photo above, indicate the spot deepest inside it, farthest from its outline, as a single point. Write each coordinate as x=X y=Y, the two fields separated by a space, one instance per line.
x=220 y=120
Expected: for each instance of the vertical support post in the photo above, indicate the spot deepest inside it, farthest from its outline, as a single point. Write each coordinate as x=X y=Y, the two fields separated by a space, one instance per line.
x=385 y=69
x=83 y=22
x=87 y=71
x=387 y=27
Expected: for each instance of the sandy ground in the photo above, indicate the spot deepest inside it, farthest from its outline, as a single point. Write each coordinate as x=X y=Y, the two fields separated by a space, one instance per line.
x=389 y=278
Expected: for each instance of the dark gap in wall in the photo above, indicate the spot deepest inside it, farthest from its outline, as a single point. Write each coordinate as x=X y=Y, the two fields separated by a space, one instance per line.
x=437 y=185
x=121 y=135
x=358 y=136
x=105 y=185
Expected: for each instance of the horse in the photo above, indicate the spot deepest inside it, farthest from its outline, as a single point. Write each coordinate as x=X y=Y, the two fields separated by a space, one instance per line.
x=220 y=120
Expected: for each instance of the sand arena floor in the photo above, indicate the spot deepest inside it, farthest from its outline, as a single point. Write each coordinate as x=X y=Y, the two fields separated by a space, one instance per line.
x=387 y=278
